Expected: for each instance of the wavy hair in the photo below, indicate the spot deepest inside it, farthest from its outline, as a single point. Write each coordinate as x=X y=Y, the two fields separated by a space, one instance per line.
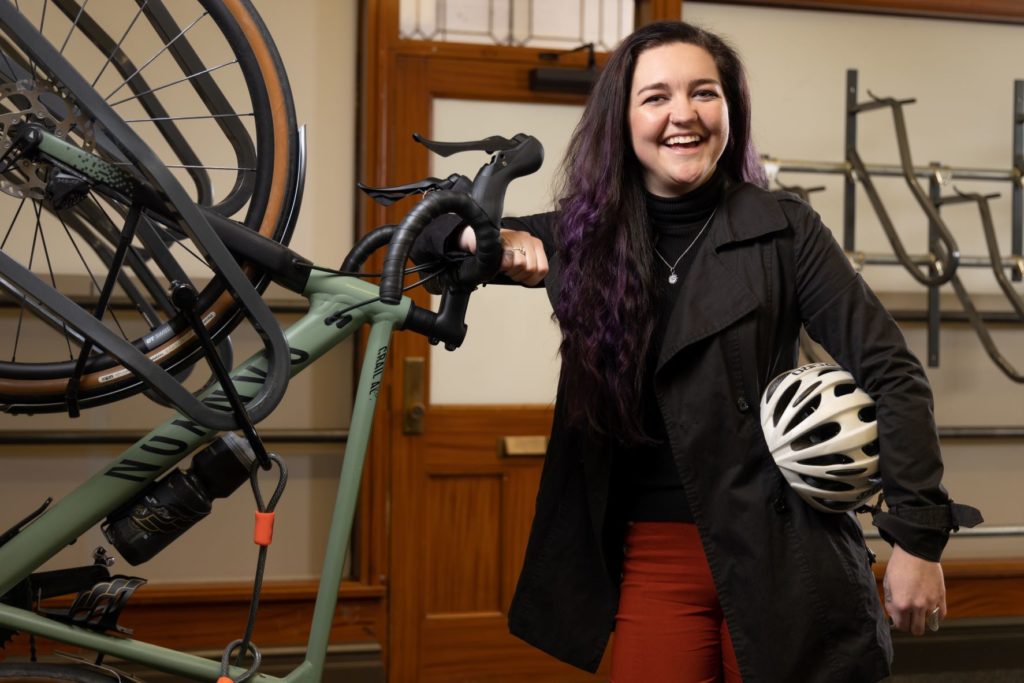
x=609 y=296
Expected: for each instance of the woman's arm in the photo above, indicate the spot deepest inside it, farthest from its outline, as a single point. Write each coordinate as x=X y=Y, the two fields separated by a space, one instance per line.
x=841 y=312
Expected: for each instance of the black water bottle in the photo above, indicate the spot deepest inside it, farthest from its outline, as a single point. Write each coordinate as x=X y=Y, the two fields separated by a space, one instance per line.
x=171 y=506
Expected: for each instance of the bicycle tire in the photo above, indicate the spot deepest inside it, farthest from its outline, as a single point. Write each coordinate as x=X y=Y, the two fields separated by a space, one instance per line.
x=36 y=672
x=262 y=194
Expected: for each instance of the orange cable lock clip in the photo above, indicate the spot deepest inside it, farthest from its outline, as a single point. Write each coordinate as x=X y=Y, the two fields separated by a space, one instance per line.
x=264 y=530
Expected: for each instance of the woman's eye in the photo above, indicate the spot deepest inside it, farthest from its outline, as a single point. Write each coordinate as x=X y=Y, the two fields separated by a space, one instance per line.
x=705 y=94
x=653 y=98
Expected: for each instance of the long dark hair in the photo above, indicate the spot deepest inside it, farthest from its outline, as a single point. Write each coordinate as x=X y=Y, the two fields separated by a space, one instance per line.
x=608 y=297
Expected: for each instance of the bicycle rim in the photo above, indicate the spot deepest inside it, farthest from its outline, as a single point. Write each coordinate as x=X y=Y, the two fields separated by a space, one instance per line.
x=34 y=672
x=202 y=84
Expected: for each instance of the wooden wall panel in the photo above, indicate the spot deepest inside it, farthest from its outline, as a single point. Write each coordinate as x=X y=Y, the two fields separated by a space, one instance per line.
x=1011 y=11
x=461 y=556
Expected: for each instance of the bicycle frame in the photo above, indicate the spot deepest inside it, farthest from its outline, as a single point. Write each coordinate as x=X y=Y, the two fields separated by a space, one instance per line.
x=167 y=445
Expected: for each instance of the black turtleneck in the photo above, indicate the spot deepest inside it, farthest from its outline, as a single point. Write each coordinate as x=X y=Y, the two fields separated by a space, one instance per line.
x=654 y=490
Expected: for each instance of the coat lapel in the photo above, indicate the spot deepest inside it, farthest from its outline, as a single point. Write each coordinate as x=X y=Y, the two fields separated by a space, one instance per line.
x=714 y=294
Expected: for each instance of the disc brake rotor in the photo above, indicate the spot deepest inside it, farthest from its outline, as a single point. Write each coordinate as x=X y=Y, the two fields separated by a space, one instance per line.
x=42 y=103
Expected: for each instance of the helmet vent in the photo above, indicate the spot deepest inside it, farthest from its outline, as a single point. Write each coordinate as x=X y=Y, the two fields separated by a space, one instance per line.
x=817 y=435
x=851 y=472
x=866 y=414
x=826 y=460
x=784 y=402
x=827 y=484
x=804 y=413
x=807 y=392
x=844 y=389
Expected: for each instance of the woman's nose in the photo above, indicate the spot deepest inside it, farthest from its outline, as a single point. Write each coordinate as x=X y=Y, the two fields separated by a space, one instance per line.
x=681 y=112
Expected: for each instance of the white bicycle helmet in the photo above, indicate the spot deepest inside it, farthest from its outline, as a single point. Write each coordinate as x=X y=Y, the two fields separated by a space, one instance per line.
x=820 y=428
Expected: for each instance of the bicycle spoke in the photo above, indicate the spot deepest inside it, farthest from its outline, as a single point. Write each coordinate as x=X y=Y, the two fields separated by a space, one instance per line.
x=162 y=50
x=13 y=221
x=208 y=168
x=74 y=25
x=88 y=270
x=32 y=63
x=194 y=254
x=189 y=118
x=10 y=67
x=42 y=19
x=17 y=329
x=168 y=85
x=24 y=299
x=117 y=48
x=49 y=269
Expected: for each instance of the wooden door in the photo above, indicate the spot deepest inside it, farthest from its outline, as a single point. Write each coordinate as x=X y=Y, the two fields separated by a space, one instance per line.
x=460 y=507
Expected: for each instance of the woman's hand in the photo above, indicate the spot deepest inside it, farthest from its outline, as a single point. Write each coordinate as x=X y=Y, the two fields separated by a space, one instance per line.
x=523 y=259
x=914 y=588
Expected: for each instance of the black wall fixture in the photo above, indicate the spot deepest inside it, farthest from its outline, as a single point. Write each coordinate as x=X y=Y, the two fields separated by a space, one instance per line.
x=565 y=79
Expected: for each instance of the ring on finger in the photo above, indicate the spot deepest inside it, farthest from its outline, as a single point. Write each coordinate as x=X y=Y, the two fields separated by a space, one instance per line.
x=933 y=619
x=519 y=249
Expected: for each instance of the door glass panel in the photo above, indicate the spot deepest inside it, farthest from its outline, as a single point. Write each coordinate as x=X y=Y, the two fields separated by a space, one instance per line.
x=526 y=23
x=511 y=350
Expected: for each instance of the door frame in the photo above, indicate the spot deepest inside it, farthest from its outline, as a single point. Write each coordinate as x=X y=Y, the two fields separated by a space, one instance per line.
x=399 y=80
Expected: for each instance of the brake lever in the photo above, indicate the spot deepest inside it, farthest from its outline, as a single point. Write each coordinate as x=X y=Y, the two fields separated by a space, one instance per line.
x=494 y=143
x=386 y=196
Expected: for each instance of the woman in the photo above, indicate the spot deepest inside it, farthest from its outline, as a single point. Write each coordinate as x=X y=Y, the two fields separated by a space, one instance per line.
x=680 y=285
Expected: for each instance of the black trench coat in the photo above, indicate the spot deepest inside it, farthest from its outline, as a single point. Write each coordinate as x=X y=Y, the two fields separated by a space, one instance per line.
x=795 y=584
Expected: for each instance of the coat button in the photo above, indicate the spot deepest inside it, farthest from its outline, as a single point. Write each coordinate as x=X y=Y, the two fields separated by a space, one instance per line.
x=780 y=505
x=742 y=404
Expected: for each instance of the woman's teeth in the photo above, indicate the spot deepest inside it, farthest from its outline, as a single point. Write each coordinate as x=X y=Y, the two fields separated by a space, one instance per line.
x=683 y=140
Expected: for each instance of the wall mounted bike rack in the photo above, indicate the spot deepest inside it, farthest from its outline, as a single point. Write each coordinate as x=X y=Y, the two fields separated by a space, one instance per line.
x=943 y=257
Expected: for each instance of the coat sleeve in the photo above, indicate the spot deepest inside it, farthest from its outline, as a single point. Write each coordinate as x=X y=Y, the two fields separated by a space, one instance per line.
x=840 y=312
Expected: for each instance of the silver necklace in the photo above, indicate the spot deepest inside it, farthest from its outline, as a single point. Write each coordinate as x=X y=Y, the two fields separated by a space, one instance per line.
x=672 y=277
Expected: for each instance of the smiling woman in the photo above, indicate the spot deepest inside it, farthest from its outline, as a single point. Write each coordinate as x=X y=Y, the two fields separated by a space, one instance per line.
x=661 y=512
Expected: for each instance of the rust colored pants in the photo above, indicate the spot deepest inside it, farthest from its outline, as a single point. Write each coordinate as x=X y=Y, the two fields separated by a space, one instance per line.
x=669 y=628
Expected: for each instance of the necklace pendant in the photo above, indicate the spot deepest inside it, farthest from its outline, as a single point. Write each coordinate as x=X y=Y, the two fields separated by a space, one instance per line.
x=673 y=278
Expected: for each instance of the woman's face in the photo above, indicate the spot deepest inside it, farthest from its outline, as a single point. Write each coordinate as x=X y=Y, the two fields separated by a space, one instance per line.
x=678 y=117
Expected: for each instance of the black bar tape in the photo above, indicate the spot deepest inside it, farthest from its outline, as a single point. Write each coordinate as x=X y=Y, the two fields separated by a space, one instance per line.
x=369 y=243
x=471 y=271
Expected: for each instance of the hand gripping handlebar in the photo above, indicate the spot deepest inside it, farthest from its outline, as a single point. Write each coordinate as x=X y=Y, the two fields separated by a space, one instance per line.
x=478 y=203
x=472 y=271
x=480 y=208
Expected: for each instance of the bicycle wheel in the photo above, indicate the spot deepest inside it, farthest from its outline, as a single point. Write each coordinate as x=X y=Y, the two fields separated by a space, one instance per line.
x=201 y=84
x=34 y=672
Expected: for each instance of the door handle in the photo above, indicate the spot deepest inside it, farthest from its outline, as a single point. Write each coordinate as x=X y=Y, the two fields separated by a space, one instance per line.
x=413 y=386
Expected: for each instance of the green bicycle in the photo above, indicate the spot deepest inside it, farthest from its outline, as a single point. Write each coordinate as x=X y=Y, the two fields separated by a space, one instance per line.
x=71 y=156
